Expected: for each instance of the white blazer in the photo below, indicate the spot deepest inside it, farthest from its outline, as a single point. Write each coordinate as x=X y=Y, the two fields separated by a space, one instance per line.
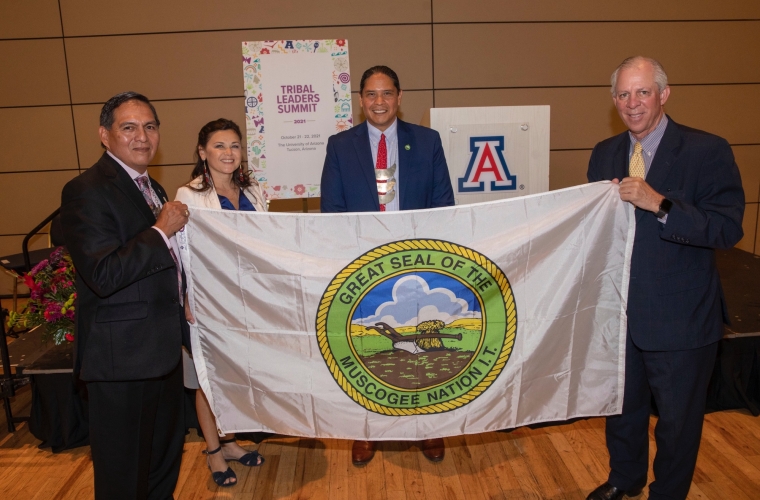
x=209 y=199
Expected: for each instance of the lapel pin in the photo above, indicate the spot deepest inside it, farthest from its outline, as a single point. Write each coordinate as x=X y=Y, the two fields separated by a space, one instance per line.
x=407 y=147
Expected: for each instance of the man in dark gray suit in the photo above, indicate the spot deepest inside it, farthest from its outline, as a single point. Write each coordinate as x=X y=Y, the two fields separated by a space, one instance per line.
x=689 y=201
x=119 y=228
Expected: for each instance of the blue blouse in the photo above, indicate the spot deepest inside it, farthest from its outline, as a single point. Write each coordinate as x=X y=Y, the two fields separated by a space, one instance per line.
x=243 y=202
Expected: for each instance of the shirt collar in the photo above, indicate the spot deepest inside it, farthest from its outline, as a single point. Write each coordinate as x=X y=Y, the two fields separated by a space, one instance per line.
x=134 y=174
x=653 y=138
x=374 y=132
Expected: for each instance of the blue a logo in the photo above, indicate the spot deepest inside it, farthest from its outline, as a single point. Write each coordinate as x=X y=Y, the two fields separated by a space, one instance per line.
x=487 y=164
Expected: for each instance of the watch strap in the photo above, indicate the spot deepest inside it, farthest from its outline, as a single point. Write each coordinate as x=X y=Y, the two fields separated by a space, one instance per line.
x=665 y=206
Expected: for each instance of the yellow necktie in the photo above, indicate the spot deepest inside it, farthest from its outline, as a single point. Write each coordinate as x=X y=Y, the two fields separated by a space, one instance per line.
x=636 y=167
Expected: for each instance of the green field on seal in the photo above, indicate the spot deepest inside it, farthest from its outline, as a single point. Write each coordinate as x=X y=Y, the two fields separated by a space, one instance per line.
x=368 y=345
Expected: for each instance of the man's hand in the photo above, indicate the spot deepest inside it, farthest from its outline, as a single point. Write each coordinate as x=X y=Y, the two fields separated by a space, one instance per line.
x=173 y=217
x=635 y=190
x=188 y=315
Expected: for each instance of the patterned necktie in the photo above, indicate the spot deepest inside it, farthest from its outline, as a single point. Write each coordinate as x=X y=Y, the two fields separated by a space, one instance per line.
x=636 y=167
x=147 y=192
x=382 y=163
x=150 y=198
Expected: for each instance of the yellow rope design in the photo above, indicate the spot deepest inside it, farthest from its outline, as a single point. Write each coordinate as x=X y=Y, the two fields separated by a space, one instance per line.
x=389 y=248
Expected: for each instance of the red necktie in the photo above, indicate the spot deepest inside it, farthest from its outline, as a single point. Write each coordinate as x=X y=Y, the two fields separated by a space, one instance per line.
x=382 y=162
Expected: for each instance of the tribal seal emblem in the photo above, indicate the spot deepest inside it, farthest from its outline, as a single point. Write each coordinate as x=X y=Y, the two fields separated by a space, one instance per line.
x=417 y=327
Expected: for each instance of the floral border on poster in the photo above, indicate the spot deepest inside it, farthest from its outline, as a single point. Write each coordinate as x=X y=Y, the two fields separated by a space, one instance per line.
x=254 y=114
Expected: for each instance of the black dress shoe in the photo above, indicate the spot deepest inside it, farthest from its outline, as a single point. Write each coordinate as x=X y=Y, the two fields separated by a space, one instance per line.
x=609 y=492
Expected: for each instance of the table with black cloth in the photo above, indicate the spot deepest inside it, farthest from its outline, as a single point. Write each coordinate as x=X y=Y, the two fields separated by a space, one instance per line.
x=59 y=412
x=58 y=416
x=735 y=381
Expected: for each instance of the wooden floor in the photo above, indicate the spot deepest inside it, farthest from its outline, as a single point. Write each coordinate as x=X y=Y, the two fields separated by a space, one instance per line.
x=554 y=462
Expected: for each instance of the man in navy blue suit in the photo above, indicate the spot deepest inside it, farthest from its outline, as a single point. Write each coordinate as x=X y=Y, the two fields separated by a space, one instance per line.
x=385 y=164
x=689 y=201
x=415 y=174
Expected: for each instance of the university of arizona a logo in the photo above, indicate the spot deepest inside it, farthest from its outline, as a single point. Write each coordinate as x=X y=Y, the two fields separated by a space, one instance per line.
x=417 y=327
x=487 y=170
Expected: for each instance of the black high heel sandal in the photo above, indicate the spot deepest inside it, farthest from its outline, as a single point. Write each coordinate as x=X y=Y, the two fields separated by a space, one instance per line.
x=250 y=459
x=220 y=478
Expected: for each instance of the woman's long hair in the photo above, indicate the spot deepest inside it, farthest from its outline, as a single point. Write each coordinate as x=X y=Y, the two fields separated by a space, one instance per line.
x=241 y=178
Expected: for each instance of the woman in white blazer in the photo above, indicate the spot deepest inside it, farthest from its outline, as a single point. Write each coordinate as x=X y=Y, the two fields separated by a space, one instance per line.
x=219 y=181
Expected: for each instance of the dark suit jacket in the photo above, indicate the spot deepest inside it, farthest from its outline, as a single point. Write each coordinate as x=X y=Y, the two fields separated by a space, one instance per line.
x=348 y=176
x=128 y=324
x=675 y=300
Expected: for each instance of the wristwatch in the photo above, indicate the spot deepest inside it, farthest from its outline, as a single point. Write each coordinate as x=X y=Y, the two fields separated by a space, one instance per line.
x=665 y=206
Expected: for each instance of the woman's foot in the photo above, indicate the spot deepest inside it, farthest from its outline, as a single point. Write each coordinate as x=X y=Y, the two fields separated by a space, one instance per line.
x=221 y=473
x=233 y=451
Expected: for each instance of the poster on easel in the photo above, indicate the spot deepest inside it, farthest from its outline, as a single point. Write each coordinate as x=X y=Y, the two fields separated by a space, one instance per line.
x=297 y=94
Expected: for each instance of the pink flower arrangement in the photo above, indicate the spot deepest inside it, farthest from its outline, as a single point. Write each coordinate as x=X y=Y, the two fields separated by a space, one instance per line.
x=52 y=297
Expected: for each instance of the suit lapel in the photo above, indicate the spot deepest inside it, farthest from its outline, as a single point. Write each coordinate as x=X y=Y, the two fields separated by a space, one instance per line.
x=620 y=159
x=406 y=163
x=665 y=156
x=121 y=179
x=366 y=162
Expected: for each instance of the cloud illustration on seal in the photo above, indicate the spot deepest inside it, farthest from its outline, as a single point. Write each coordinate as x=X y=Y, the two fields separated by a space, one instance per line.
x=414 y=302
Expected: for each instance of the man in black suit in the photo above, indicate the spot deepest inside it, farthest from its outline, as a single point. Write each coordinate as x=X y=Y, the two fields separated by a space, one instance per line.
x=120 y=229
x=689 y=201
x=385 y=164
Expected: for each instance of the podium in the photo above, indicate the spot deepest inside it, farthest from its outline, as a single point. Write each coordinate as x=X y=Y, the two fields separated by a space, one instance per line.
x=495 y=152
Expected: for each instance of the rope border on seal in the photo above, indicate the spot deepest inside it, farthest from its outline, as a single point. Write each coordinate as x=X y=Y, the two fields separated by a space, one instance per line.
x=438 y=245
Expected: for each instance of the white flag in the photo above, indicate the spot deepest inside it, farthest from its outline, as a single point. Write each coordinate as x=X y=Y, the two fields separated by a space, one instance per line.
x=412 y=325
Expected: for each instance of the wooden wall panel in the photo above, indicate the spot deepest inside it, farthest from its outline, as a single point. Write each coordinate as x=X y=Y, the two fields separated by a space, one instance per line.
x=29 y=19
x=34 y=73
x=748 y=159
x=730 y=111
x=568 y=168
x=86 y=120
x=193 y=65
x=34 y=197
x=451 y=11
x=95 y=17
x=574 y=54
x=24 y=151
x=171 y=177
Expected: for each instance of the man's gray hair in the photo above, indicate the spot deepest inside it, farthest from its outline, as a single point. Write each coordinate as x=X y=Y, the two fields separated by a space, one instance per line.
x=660 y=77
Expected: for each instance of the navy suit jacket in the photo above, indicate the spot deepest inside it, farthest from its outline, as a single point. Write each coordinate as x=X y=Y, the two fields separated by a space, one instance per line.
x=348 y=176
x=675 y=300
x=128 y=318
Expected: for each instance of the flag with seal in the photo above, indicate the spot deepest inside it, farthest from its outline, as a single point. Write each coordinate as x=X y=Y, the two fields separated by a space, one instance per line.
x=412 y=325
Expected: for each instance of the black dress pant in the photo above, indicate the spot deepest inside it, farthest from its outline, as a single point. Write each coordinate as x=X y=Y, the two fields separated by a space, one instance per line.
x=136 y=435
x=678 y=382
